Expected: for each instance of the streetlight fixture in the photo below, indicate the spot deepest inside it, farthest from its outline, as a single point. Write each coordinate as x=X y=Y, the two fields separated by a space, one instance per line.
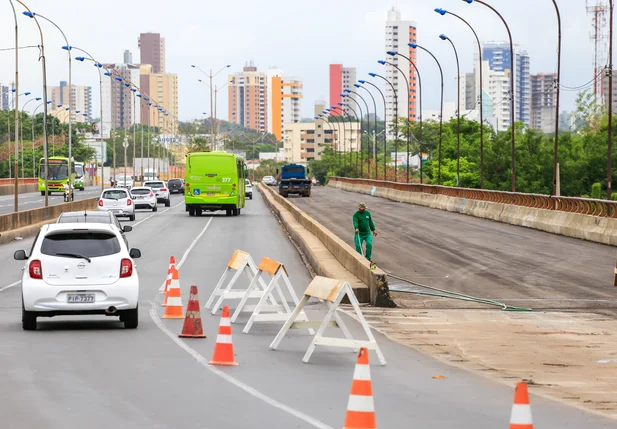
x=443 y=12
x=512 y=94
x=458 y=110
x=416 y=46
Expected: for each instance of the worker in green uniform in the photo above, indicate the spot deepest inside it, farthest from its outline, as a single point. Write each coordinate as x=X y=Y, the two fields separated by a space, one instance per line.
x=363 y=223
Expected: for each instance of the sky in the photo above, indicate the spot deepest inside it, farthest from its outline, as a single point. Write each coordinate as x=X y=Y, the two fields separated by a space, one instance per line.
x=300 y=37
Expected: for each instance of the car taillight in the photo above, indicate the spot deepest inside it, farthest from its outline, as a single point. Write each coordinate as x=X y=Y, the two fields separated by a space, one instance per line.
x=126 y=268
x=36 y=271
x=163 y=189
x=100 y=203
x=151 y=194
x=128 y=202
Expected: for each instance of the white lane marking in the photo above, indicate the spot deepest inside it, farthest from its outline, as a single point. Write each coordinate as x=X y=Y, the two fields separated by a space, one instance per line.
x=141 y=221
x=248 y=389
x=10 y=286
x=204 y=362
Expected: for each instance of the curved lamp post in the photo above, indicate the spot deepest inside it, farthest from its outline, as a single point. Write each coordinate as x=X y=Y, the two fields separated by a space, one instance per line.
x=416 y=46
x=385 y=160
x=368 y=123
x=444 y=12
x=358 y=151
x=385 y=110
x=512 y=94
x=368 y=148
x=458 y=110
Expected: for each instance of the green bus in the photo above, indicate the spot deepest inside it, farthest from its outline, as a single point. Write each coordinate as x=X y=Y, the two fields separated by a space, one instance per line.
x=214 y=181
x=80 y=178
x=57 y=174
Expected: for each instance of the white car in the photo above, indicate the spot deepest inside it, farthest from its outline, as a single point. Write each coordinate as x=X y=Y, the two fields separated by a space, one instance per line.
x=269 y=181
x=160 y=190
x=79 y=269
x=144 y=198
x=124 y=182
x=118 y=201
x=249 y=189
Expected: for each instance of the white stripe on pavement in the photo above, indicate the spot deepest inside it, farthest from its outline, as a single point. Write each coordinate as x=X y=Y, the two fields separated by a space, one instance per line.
x=10 y=286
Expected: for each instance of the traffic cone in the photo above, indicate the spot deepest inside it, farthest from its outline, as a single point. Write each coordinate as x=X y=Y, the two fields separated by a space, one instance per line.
x=361 y=408
x=173 y=299
x=192 y=323
x=224 y=349
x=174 y=278
x=172 y=263
x=521 y=409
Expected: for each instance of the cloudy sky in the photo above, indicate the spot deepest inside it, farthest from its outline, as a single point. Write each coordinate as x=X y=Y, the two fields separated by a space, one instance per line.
x=299 y=36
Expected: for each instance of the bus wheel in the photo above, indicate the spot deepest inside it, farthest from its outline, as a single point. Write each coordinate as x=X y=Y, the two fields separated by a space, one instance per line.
x=191 y=212
x=42 y=193
x=198 y=212
x=228 y=212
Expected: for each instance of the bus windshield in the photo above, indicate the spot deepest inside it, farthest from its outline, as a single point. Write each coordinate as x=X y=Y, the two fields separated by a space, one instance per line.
x=55 y=171
x=79 y=171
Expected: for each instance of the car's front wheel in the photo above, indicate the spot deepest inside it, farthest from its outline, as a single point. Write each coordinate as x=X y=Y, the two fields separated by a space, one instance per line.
x=167 y=203
x=155 y=208
x=28 y=319
x=132 y=218
x=131 y=318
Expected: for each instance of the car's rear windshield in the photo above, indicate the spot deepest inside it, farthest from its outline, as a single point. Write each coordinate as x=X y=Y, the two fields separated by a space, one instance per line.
x=114 y=195
x=89 y=244
x=84 y=219
x=155 y=184
x=175 y=182
x=140 y=191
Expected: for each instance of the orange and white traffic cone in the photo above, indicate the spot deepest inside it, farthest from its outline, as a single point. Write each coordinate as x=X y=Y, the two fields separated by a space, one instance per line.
x=173 y=299
x=174 y=282
x=521 y=410
x=193 y=327
x=361 y=408
x=172 y=264
x=224 y=348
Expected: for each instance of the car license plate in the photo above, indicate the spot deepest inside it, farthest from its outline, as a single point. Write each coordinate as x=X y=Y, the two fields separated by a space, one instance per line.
x=81 y=298
x=210 y=194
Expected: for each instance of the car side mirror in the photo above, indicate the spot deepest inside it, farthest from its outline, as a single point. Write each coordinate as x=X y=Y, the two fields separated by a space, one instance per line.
x=135 y=253
x=20 y=255
x=127 y=228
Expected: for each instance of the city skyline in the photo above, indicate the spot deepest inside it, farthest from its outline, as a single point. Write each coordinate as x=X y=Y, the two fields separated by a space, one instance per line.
x=361 y=50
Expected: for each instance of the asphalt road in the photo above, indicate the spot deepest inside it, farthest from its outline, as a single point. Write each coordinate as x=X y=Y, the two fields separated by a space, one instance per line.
x=34 y=200
x=90 y=372
x=479 y=257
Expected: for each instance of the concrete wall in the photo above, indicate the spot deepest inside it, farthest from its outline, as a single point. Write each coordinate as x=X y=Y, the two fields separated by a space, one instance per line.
x=26 y=223
x=592 y=228
x=376 y=280
x=23 y=188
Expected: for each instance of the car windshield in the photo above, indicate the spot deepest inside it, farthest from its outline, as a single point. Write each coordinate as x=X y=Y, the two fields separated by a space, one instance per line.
x=140 y=191
x=88 y=244
x=175 y=182
x=79 y=171
x=55 y=171
x=155 y=184
x=114 y=195
x=80 y=218
x=123 y=178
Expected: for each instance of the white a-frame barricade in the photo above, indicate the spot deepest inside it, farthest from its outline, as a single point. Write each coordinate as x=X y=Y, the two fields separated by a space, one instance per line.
x=278 y=312
x=332 y=292
x=240 y=262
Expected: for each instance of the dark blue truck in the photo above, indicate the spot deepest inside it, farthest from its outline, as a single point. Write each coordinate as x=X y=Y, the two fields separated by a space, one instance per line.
x=293 y=180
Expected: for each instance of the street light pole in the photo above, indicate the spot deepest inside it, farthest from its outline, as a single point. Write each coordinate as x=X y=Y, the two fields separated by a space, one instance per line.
x=415 y=46
x=556 y=190
x=512 y=94
x=458 y=110
x=16 y=190
x=609 y=183
x=386 y=125
x=368 y=148
x=385 y=112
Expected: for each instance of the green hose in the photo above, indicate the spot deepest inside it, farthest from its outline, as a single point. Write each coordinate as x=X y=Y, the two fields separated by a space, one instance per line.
x=454 y=295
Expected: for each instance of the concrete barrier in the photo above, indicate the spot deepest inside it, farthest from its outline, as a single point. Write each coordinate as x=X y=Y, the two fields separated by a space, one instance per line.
x=26 y=223
x=352 y=261
x=591 y=228
x=23 y=188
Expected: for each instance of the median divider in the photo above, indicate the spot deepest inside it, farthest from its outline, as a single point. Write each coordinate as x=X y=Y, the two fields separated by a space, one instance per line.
x=328 y=255
x=28 y=222
x=22 y=188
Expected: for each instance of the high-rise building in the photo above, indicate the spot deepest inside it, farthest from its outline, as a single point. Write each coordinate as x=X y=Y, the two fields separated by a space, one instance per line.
x=4 y=97
x=497 y=54
x=161 y=88
x=80 y=100
x=264 y=101
x=341 y=79
x=118 y=111
x=152 y=51
x=543 y=101
x=128 y=57
x=399 y=34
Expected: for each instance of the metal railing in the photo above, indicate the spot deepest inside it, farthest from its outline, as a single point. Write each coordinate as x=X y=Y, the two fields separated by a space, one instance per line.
x=586 y=206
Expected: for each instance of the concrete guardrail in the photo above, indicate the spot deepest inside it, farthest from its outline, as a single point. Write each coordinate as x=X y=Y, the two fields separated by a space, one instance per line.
x=22 y=188
x=28 y=222
x=376 y=280
x=595 y=225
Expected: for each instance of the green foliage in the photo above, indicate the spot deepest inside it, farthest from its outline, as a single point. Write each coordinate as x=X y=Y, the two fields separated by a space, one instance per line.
x=596 y=191
x=614 y=196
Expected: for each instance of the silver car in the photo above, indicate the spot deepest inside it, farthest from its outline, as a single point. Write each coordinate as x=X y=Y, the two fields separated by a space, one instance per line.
x=160 y=190
x=118 y=201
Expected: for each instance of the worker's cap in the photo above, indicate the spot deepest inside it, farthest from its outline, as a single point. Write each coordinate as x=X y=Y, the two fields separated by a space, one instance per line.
x=362 y=206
